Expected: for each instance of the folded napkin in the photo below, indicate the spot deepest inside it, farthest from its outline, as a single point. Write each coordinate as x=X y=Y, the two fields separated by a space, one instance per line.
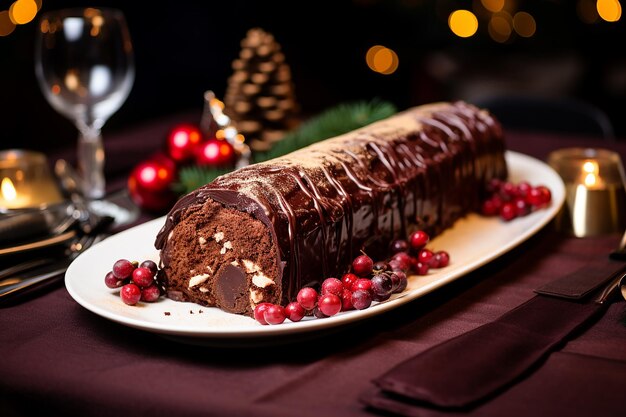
x=595 y=387
x=472 y=367
x=16 y=228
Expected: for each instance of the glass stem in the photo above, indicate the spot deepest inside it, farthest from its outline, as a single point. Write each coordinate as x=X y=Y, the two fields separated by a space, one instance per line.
x=91 y=162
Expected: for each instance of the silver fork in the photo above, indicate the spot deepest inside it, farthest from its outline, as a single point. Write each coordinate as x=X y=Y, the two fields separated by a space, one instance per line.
x=15 y=284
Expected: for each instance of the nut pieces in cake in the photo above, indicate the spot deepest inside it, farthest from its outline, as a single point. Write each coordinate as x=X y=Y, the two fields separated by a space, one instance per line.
x=137 y=282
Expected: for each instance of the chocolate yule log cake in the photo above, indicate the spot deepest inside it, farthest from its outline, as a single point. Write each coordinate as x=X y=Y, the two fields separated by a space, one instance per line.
x=262 y=232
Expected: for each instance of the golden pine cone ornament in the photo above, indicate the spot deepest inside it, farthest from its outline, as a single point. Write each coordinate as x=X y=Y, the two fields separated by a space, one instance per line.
x=260 y=96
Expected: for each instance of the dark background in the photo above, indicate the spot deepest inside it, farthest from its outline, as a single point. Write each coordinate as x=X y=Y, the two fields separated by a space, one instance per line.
x=183 y=48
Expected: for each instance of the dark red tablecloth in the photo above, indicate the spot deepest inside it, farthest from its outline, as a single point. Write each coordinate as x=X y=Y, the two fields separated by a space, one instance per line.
x=59 y=359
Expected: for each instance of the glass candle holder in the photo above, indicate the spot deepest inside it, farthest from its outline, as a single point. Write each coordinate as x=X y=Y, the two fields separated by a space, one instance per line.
x=595 y=198
x=26 y=181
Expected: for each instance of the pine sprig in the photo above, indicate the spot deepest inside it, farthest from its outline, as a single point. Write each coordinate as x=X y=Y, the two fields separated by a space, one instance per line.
x=335 y=121
x=195 y=176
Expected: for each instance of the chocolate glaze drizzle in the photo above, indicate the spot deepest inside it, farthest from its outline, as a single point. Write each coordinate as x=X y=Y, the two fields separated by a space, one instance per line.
x=423 y=168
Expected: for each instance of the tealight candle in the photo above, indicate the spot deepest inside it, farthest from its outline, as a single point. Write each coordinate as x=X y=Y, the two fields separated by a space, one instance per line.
x=25 y=181
x=595 y=200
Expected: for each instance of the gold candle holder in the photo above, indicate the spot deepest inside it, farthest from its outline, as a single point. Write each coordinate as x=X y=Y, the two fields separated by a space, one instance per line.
x=26 y=181
x=595 y=198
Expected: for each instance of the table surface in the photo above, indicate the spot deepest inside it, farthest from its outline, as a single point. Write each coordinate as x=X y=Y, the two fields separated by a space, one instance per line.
x=58 y=358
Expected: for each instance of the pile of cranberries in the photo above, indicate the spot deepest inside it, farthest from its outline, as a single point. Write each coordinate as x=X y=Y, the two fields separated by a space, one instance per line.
x=367 y=282
x=137 y=281
x=510 y=200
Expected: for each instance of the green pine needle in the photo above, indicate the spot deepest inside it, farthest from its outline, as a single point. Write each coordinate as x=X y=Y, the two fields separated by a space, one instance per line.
x=335 y=121
x=195 y=176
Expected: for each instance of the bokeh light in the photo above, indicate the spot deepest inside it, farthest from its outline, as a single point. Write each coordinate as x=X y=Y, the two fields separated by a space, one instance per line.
x=369 y=56
x=500 y=27
x=463 y=23
x=382 y=59
x=587 y=11
x=609 y=10
x=96 y=24
x=524 y=24
x=6 y=25
x=20 y=12
x=493 y=5
x=23 y=11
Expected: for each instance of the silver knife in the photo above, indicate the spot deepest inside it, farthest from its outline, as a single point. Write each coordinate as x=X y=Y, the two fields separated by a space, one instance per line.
x=15 y=284
x=18 y=283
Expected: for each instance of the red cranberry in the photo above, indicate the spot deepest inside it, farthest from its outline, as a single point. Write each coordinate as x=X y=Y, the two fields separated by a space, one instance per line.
x=523 y=188
x=307 y=298
x=151 y=265
x=422 y=268
x=508 y=191
x=259 y=312
x=396 y=276
x=539 y=196
x=143 y=277
x=425 y=256
x=329 y=304
x=380 y=298
x=397 y=265
x=130 y=294
x=294 y=311
x=418 y=239
x=489 y=208
x=494 y=185
x=362 y=284
x=522 y=208
x=346 y=300
x=403 y=260
x=382 y=285
x=379 y=267
x=150 y=293
x=348 y=280
x=443 y=258
x=497 y=201
x=274 y=314
x=398 y=246
x=508 y=211
x=546 y=195
x=332 y=286
x=318 y=313
x=362 y=265
x=111 y=281
x=361 y=299
x=402 y=281
x=123 y=268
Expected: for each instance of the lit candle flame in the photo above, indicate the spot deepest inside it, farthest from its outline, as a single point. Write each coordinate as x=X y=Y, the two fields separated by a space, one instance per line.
x=590 y=174
x=590 y=180
x=590 y=167
x=8 y=189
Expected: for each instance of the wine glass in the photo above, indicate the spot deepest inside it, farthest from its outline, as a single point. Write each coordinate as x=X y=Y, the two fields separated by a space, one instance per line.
x=84 y=65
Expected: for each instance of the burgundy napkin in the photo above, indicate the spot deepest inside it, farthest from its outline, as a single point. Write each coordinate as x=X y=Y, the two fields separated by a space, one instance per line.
x=474 y=366
x=17 y=228
x=595 y=387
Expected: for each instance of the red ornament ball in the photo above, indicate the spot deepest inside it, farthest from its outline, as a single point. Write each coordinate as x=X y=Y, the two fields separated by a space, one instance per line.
x=215 y=152
x=182 y=141
x=149 y=185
